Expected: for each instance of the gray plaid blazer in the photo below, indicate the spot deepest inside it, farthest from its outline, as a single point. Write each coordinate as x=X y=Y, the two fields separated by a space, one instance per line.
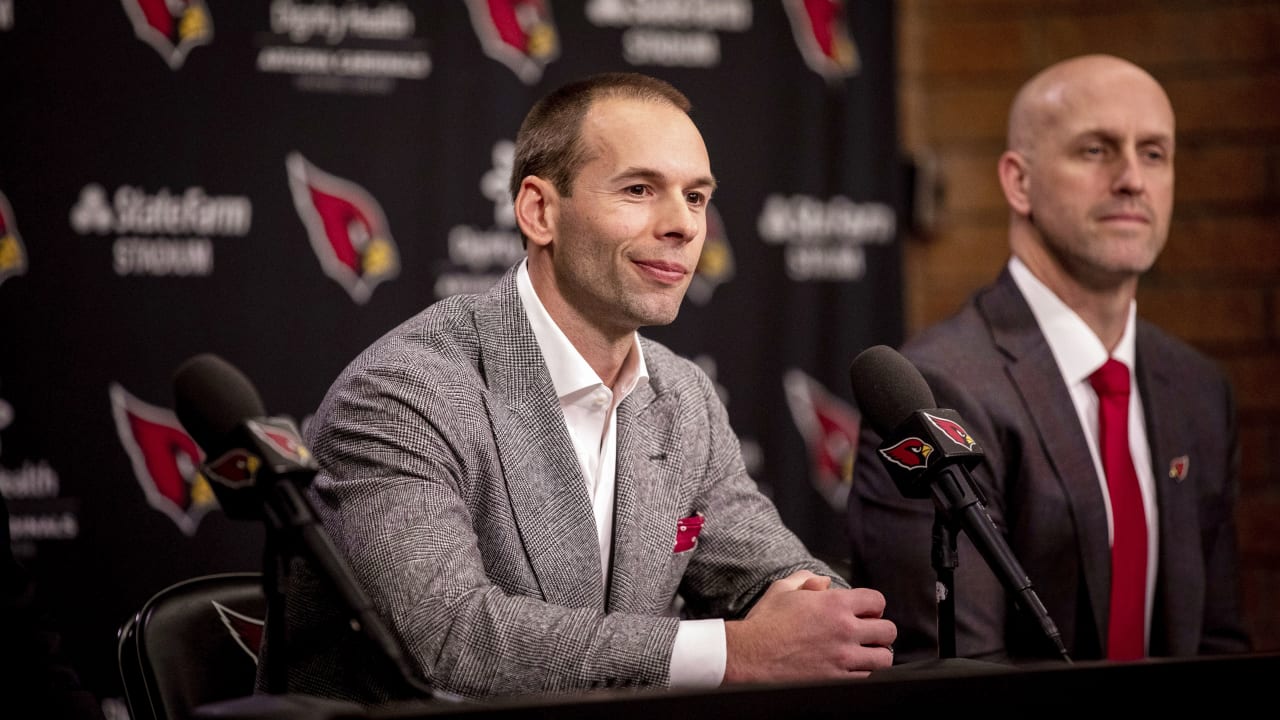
x=451 y=485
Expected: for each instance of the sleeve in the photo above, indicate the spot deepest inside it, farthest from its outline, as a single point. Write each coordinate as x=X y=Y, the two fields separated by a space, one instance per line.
x=397 y=493
x=891 y=537
x=699 y=654
x=744 y=545
x=1224 y=631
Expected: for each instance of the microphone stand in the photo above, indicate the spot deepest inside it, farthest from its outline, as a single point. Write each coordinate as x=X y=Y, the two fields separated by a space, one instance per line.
x=944 y=560
x=293 y=532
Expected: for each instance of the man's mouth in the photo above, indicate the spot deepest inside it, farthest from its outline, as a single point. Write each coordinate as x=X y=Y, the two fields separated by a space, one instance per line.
x=663 y=270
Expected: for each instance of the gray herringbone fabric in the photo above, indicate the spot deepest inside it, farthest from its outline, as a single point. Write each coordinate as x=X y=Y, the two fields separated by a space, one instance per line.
x=451 y=484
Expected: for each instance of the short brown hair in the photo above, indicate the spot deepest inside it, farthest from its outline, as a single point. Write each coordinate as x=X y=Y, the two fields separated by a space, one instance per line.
x=549 y=142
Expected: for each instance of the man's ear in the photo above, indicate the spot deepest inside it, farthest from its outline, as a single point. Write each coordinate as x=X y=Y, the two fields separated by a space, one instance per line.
x=1015 y=180
x=537 y=208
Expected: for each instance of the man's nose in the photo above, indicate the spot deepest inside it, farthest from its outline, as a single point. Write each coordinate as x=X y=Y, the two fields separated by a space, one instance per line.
x=677 y=220
x=1130 y=175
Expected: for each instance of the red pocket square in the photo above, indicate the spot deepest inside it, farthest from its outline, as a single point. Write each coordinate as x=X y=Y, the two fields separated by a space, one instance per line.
x=687 y=530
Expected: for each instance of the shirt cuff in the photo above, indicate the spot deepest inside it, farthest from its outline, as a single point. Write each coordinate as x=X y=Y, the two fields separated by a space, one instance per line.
x=698 y=656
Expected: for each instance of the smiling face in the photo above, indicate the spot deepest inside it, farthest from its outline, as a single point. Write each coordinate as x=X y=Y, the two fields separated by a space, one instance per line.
x=619 y=251
x=1093 y=141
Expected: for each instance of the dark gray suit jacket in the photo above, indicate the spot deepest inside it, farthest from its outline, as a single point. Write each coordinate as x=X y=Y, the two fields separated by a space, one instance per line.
x=991 y=363
x=450 y=483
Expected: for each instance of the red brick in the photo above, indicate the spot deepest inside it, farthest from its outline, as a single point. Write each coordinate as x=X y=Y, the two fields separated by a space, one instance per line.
x=1206 y=315
x=969 y=180
x=1257 y=520
x=1275 y=312
x=992 y=44
x=1219 y=244
x=1254 y=377
x=1216 y=103
x=969 y=114
x=968 y=254
x=1221 y=173
x=1163 y=35
x=1257 y=464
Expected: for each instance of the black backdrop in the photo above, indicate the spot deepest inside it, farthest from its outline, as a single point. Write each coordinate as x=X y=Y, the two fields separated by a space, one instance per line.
x=282 y=182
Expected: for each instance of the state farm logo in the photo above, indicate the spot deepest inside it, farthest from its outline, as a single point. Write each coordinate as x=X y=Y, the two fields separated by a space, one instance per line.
x=348 y=47
x=172 y=27
x=162 y=233
x=822 y=34
x=830 y=428
x=671 y=33
x=346 y=228
x=13 y=256
x=478 y=255
x=166 y=461
x=825 y=239
x=517 y=33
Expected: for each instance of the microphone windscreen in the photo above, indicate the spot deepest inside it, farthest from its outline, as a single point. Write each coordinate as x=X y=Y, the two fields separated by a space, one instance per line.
x=212 y=398
x=888 y=387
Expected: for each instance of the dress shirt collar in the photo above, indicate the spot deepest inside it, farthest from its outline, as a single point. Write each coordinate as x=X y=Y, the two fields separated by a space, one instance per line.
x=570 y=372
x=1075 y=347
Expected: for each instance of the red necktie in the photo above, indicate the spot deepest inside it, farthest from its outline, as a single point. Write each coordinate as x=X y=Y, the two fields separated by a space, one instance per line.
x=1125 y=630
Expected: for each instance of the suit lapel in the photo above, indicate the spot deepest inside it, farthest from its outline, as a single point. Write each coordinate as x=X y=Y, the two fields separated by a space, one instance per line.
x=1038 y=379
x=548 y=494
x=647 y=500
x=1180 y=582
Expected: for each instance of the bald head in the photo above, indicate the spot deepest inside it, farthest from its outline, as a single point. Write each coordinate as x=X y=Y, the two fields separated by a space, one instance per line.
x=1088 y=175
x=1064 y=91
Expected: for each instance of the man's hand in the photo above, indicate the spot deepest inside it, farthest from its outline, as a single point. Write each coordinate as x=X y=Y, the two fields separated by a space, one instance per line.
x=800 y=630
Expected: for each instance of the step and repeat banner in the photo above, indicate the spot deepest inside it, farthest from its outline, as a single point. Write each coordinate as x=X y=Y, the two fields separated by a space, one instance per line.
x=281 y=182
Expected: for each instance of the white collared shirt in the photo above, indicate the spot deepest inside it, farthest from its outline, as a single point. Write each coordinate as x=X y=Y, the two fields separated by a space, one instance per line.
x=589 y=406
x=1079 y=353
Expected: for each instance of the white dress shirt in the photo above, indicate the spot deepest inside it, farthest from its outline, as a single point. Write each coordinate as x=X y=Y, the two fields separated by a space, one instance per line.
x=1079 y=353
x=589 y=406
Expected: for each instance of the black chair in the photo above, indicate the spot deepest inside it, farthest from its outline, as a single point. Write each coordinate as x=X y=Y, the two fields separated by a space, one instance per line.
x=194 y=643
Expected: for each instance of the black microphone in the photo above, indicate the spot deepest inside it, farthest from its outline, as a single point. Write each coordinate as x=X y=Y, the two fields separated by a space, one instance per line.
x=258 y=468
x=928 y=453
x=221 y=410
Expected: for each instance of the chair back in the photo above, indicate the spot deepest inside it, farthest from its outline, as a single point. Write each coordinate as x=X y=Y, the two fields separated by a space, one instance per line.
x=191 y=644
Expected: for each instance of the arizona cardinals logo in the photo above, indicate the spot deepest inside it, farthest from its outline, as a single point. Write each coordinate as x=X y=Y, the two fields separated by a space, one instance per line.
x=346 y=227
x=165 y=460
x=822 y=34
x=715 y=265
x=172 y=27
x=236 y=469
x=912 y=453
x=13 y=256
x=830 y=429
x=952 y=430
x=281 y=435
x=517 y=33
x=246 y=631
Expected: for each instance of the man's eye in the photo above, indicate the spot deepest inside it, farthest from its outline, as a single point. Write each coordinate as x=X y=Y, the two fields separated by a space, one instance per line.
x=637 y=190
x=696 y=198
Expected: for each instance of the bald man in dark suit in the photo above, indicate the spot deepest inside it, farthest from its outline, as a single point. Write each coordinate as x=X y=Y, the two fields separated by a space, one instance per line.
x=1128 y=570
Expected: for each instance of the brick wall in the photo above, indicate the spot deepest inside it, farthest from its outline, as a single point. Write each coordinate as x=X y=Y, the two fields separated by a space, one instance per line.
x=1217 y=285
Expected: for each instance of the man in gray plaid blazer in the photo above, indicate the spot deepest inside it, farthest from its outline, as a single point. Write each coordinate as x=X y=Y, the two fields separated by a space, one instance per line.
x=523 y=485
